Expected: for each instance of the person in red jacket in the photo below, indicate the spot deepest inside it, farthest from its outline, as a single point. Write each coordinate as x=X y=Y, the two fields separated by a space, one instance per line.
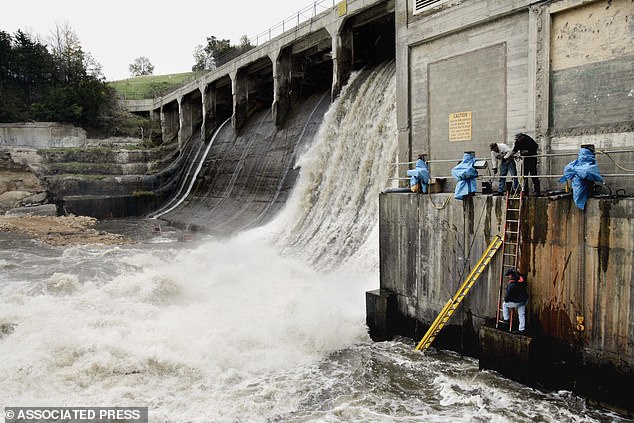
x=516 y=297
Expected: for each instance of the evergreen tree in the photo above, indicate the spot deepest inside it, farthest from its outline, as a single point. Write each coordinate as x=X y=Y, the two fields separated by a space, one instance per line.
x=55 y=83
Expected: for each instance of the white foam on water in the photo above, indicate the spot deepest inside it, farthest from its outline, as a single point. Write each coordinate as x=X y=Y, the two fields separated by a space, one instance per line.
x=187 y=334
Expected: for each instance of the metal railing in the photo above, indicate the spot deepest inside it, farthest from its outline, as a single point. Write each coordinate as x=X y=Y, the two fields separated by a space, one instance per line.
x=611 y=168
x=293 y=21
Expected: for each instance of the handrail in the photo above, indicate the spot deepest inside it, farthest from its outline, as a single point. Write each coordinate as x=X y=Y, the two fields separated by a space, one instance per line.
x=536 y=155
x=604 y=175
x=234 y=52
x=612 y=166
x=296 y=17
x=278 y=29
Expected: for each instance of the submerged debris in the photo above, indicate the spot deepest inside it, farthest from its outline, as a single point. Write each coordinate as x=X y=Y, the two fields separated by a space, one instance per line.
x=6 y=329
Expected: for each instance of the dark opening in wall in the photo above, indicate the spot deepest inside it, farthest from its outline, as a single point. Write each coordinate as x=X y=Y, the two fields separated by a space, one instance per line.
x=224 y=101
x=374 y=42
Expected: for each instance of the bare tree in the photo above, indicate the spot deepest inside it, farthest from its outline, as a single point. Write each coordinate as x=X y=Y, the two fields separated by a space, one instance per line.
x=65 y=46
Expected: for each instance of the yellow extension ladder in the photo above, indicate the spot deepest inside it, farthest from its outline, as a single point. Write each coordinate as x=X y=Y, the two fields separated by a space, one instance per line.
x=451 y=306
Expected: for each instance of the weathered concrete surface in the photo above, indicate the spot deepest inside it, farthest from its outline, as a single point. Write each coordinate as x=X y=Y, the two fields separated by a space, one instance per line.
x=42 y=210
x=508 y=354
x=41 y=135
x=579 y=264
x=98 y=179
x=248 y=174
x=559 y=70
x=381 y=314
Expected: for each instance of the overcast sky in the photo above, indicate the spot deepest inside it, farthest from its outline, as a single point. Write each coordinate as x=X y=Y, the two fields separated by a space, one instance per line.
x=118 y=31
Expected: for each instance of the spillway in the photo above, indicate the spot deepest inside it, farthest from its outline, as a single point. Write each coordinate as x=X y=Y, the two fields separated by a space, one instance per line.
x=343 y=153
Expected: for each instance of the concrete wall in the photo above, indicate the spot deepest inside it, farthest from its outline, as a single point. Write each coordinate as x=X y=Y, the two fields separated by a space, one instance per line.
x=482 y=70
x=41 y=135
x=467 y=56
x=579 y=265
x=562 y=71
x=473 y=82
x=426 y=250
x=590 y=49
x=592 y=65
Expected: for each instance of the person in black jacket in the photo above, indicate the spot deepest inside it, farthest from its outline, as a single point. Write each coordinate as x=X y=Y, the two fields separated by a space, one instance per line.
x=527 y=147
x=516 y=297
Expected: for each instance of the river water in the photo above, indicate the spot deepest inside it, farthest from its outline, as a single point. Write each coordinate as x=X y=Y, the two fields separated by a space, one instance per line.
x=265 y=326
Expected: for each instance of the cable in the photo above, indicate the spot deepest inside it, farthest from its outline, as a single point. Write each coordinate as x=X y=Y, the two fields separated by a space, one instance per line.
x=613 y=161
x=472 y=241
x=431 y=200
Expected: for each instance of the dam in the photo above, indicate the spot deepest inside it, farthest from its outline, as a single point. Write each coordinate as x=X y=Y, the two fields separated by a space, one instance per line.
x=455 y=75
x=540 y=68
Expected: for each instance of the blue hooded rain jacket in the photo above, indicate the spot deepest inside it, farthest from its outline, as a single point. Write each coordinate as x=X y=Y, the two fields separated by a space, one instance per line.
x=466 y=175
x=419 y=174
x=583 y=172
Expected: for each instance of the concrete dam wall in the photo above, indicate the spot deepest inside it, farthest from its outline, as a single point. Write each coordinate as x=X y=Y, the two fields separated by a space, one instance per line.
x=580 y=274
x=247 y=174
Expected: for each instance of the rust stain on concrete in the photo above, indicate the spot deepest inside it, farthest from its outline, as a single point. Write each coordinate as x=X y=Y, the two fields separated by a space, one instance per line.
x=603 y=241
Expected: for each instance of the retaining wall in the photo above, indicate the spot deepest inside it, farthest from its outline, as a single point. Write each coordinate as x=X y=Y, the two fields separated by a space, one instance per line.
x=579 y=264
x=41 y=135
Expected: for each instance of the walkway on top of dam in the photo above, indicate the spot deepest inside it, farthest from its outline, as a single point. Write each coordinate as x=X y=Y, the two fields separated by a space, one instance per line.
x=315 y=55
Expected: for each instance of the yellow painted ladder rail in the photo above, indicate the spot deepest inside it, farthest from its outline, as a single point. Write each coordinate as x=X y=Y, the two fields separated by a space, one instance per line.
x=451 y=306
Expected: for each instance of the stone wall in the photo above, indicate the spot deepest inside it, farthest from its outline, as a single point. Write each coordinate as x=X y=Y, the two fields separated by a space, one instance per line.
x=41 y=135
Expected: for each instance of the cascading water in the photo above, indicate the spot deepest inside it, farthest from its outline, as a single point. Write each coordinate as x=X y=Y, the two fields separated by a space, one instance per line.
x=199 y=161
x=332 y=215
x=245 y=329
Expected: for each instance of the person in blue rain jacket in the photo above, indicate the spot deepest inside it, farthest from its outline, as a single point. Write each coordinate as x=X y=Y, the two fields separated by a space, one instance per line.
x=583 y=172
x=419 y=176
x=466 y=175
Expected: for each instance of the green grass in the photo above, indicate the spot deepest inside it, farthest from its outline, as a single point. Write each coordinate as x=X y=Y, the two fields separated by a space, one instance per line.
x=152 y=86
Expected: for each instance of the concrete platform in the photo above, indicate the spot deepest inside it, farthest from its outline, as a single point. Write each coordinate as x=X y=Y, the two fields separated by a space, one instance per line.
x=507 y=353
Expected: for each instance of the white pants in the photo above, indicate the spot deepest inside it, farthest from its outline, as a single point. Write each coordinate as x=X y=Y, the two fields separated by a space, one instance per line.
x=521 y=312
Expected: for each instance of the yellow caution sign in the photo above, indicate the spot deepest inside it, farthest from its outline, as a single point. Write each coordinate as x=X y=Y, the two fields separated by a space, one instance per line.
x=342 y=8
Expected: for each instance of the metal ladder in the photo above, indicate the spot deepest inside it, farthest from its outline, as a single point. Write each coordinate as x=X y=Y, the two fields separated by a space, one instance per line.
x=511 y=244
x=453 y=303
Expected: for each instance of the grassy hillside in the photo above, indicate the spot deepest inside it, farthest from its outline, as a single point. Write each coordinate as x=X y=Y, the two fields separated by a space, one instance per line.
x=151 y=86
